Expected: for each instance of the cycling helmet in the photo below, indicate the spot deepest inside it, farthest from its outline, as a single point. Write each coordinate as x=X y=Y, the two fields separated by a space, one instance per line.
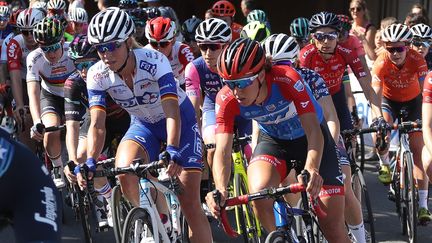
x=345 y=22
x=138 y=14
x=255 y=30
x=242 y=58
x=49 y=31
x=299 y=28
x=80 y=48
x=61 y=18
x=189 y=27
x=40 y=5
x=128 y=4
x=256 y=15
x=28 y=18
x=78 y=15
x=5 y=11
x=324 y=19
x=422 y=31
x=213 y=31
x=223 y=8
x=160 y=29
x=153 y=12
x=281 y=47
x=56 y=5
x=397 y=33
x=113 y=24
x=14 y=17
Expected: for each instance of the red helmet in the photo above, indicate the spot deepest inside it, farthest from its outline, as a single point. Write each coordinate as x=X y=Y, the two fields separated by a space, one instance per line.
x=223 y=8
x=14 y=16
x=242 y=58
x=160 y=29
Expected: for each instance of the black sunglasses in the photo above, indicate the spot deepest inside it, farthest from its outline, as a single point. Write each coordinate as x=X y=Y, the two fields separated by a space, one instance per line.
x=27 y=32
x=212 y=47
x=160 y=44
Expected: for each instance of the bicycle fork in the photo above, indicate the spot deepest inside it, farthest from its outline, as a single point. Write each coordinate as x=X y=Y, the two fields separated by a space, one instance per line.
x=284 y=220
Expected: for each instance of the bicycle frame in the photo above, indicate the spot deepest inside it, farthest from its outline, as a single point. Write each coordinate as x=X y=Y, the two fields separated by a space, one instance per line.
x=402 y=150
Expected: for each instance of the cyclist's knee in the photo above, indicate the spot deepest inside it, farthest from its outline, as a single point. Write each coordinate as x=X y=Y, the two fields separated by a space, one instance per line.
x=130 y=189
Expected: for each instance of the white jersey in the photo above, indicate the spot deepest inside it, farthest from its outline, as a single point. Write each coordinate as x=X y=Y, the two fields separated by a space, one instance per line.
x=152 y=83
x=51 y=75
x=3 y=54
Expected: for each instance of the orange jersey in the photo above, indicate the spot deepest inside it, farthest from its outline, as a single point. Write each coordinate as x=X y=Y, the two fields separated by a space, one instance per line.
x=236 y=29
x=399 y=84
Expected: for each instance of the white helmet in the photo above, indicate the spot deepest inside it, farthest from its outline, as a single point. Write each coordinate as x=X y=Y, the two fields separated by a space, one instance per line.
x=282 y=47
x=213 y=30
x=422 y=31
x=113 y=24
x=56 y=4
x=5 y=11
x=28 y=18
x=78 y=15
x=397 y=33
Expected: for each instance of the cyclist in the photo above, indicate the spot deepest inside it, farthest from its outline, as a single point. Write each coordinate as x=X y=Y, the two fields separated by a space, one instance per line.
x=57 y=9
x=160 y=111
x=299 y=29
x=78 y=18
x=422 y=36
x=188 y=29
x=225 y=10
x=168 y=12
x=40 y=222
x=5 y=31
x=398 y=76
x=284 y=50
x=256 y=31
x=18 y=49
x=291 y=127
x=76 y=103
x=427 y=118
x=258 y=15
x=160 y=32
x=152 y=12
x=48 y=67
x=139 y=17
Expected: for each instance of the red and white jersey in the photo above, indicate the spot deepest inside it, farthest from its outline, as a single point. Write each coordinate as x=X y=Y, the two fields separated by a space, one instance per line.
x=3 y=54
x=180 y=56
x=17 y=53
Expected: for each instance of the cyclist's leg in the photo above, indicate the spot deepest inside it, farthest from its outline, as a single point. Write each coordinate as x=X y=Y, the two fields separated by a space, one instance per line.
x=389 y=110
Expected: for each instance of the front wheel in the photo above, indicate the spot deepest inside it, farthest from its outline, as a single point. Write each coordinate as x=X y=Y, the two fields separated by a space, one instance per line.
x=119 y=209
x=137 y=227
x=410 y=194
x=279 y=236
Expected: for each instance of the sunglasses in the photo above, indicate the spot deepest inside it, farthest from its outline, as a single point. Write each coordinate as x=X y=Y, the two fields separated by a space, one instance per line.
x=320 y=36
x=420 y=43
x=110 y=46
x=355 y=9
x=160 y=44
x=240 y=83
x=27 y=32
x=4 y=18
x=84 y=65
x=51 y=48
x=140 y=24
x=398 y=49
x=212 y=47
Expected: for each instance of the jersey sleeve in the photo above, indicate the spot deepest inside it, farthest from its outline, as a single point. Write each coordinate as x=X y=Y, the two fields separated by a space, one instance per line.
x=95 y=87
x=192 y=81
x=14 y=55
x=73 y=92
x=32 y=67
x=378 y=71
x=354 y=62
x=422 y=69
x=357 y=46
x=305 y=56
x=427 y=89
x=3 y=53
x=226 y=108
x=315 y=82
x=185 y=55
x=294 y=90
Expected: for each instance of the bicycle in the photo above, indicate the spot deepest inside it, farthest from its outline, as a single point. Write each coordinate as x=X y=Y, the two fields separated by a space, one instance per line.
x=144 y=222
x=285 y=213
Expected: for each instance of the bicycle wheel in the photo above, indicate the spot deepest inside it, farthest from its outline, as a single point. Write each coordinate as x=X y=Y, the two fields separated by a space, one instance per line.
x=119 y=209
x=247 y=224
x=137 y=227
x=410 y=197
x=279 y=236
x=362 y=194
x=83 y=211
x=184 y=230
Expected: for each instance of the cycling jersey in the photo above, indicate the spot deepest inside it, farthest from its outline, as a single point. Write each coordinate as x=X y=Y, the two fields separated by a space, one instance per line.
x=52 y=76
x=180 y=56
x=427 y=89
x=236 y=30
x=331 y=70
x=5 y=33
x=17 y=53
x=278 y=116
x=3 y=50
x=353 y=43
x=399 y=84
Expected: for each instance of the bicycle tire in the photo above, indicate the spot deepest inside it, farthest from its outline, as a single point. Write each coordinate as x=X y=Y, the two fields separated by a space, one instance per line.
x=84 y=217
x=244 y=213
x=363 y=196
x=184 y=229
x=411 y=196
x=315 y=235
x=119 y=210
x=136 y=217
x=278 y=236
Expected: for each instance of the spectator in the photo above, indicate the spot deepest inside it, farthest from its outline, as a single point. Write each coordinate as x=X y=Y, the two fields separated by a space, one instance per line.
x=208 y=14
x=387 y=21
x=413 y=19
x=247 y=6
x=417 y=8
x=362 y=28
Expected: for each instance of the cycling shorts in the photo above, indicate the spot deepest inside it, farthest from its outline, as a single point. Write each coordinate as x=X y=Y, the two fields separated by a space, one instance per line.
x=151 y=136
x=280 y=152
x=30 y=199
x=343 y=155
x=51 y=103
x=414 y=108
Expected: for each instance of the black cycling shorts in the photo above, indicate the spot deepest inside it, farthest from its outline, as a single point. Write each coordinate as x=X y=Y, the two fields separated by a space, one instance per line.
x=29 y=197
x=280 y=153
x=50 y=103
x=414 y=108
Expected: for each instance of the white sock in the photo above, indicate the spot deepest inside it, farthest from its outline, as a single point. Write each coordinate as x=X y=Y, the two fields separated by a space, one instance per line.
x=57 y=162
x=358 y=232
x=423 y=196
x=105 y=191
x=384 y=159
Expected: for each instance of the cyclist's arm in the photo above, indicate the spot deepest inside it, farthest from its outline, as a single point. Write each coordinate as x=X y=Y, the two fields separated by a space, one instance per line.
x=330 y=115
x=96 y=132
x=222 y=161
x=72 y=133
x=17 y=90
x=427 y=125
x=14 y=65
x=173 y=122
x=34 y=90
x=192 y=82
x=315 y=140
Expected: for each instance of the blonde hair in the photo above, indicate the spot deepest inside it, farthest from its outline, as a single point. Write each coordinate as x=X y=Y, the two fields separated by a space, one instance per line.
x=362 y=4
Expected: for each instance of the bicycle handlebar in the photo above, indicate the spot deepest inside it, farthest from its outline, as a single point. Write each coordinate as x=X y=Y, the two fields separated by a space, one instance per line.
x=404 y=127
x=41 y=128
x=135 y=168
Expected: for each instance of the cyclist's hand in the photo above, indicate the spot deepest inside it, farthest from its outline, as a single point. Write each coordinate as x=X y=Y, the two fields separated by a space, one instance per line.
x=91 y=166
x=35 y=131
x=315 y=182
x=70 y=175
x=174 y=168
x=19 y=115
x=212 y=205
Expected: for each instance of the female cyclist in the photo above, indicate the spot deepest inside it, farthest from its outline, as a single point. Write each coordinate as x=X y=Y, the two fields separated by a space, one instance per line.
x=291 y=127
x=141 y=81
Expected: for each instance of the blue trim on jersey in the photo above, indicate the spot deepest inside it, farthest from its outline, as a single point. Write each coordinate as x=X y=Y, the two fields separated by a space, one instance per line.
x=96 y=98
x=167 y=84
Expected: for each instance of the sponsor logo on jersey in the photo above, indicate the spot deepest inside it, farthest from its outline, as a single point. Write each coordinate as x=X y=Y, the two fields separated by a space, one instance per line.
x=307 y=52
x=58 y=70
x=11 y=50
x=50 y=215
x=299 y=86
x=270 y=107
x=149 y=98
x=336 y=67
x=318 y=69
x=188 y=54
x=304 y=104
x=149 y=67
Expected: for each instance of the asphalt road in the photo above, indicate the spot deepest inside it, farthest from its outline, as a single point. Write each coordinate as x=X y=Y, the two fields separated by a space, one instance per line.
x=386 y=221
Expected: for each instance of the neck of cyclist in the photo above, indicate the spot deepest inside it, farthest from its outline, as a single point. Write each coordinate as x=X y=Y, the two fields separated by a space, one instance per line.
x=128 y=66
x=261 y=93
x=327 y=55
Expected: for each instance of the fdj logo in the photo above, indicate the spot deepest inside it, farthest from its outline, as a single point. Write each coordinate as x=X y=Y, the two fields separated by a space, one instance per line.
x=149 y=67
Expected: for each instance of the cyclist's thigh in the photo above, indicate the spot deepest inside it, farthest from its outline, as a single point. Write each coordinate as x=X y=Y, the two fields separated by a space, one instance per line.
x=391 y=108
x=414 y=108
x=208 y=126
x=342 y=110
x=50 y=103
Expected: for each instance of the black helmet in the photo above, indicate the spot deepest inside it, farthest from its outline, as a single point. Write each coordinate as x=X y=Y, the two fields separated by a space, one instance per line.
x=189 y=27
x=153 y=12
x=81 y=48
